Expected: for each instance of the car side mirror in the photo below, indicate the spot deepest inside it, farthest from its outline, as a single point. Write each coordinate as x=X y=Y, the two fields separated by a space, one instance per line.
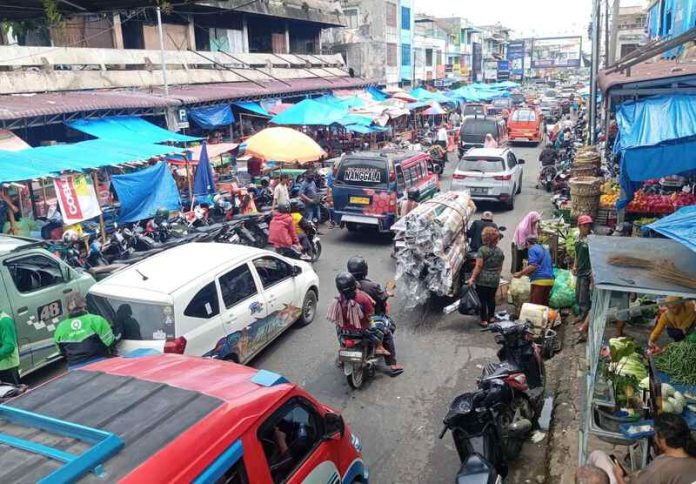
x=334 y=424
x=502 y=228
x=296 y=271
x=520 y=161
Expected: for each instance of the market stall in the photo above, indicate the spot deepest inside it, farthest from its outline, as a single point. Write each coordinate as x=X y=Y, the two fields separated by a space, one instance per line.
x=647 y=268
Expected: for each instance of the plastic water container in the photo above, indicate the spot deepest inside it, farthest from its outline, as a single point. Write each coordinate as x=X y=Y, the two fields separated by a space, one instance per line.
x=534 y=314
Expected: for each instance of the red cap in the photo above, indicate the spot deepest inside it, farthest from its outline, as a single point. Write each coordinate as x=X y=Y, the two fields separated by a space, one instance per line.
x=584 y=219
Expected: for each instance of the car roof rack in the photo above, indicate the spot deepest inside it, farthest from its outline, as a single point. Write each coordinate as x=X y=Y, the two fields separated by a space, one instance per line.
x=105 y=444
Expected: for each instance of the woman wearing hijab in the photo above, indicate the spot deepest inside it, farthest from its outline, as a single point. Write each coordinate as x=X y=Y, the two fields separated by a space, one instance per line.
x=490 y=142
x=527 y=227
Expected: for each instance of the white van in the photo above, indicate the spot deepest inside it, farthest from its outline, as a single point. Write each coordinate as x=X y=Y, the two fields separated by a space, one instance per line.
x=207 y=299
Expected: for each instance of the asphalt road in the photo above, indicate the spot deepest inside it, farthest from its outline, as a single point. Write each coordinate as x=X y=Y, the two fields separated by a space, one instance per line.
x=399 y=419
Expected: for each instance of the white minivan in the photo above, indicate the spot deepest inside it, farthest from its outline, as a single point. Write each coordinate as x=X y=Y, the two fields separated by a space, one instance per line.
x=493 y=174
x=207 y=299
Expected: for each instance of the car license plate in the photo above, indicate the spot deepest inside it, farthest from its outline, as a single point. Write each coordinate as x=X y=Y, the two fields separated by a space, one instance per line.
x=348 y=355
x=479 y=191
x=360 y=200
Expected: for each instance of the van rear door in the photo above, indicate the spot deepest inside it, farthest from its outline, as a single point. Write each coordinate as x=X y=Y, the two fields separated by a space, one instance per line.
x=358 y=181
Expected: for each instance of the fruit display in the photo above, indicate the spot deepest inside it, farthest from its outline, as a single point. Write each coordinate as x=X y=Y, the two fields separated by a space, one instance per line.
x=659 y=204
x=608 y=200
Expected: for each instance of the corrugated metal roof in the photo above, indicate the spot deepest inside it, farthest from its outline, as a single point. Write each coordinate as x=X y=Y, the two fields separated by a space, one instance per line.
x=646 y=71
x=47 y=104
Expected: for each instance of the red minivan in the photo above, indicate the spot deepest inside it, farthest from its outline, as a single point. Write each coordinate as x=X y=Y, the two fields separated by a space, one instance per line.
x=526 y=125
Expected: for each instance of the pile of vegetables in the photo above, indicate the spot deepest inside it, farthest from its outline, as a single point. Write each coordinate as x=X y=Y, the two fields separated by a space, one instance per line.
x=672 y=400
x=627 y=369
x=679 y=362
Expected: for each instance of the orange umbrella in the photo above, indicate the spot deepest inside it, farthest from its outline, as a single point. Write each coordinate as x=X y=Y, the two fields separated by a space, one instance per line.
x=284 y=145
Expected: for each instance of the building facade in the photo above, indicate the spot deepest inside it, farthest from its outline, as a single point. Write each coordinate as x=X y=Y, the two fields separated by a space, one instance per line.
x=630 y=31
x=429 y=44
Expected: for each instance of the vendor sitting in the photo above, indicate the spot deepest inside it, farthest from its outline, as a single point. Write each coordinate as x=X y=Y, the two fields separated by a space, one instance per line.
x=679 y=319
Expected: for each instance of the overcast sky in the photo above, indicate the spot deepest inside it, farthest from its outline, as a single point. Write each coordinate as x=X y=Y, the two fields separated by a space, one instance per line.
x=528 y=18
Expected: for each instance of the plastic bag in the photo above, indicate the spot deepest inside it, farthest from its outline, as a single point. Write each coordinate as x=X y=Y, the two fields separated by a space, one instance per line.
x=563 y=292
x=469 y=304
x=520 y=287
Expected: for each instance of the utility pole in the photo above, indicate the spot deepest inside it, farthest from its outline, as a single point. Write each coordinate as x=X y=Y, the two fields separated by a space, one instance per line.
x=163 y=60
x=615 y=8
x=607 y=49
x=596 y=5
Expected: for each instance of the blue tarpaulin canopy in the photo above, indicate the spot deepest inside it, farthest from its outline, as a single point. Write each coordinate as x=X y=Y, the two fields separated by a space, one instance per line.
x=362 y=129
x=310 y=113
x=425 y=95
x=17 y=167
x=141 y=193
x=341 y=102
x=680 y=226
x=377 y=94
x=211 y=117
x=128 y=129
x=656 y=138
x=252 y=107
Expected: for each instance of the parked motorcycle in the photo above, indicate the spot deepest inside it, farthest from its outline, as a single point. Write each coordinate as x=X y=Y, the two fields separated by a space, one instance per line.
x=314 y=242
x=490 y=425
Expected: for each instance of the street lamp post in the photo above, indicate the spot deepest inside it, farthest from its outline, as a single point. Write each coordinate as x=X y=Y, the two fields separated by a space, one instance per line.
x=592 y=138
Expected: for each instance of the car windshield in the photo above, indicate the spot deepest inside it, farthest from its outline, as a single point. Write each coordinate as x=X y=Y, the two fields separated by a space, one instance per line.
x=135 y=320
x=479 y=127
x=524 y=115
x=362 y=172
x=501 y=102
x=484 y=165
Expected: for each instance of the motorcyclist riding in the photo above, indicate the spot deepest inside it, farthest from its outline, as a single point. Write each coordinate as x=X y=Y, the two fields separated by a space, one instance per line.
x=264 y=195
x=548 y=156
x=303 y=227
x=223 y=208
x=282 y=234
x=357 y=267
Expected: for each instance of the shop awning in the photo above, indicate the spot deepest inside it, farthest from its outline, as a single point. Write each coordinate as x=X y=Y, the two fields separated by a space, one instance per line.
x=128 y=129
x=90 y=154
x=309 y=113
x=15 y=167
x=656 y=138
x=362 y=129
x=252 y=107
x=214 y=150
x=680 y=226
x=211 y=117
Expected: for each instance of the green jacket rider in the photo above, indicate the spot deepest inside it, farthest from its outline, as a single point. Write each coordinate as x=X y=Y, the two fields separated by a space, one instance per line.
x=82 y=336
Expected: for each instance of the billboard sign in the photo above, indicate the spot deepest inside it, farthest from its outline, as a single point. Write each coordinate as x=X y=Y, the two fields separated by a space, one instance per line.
x=553 y=52
x=490 y=70
x=476 y=58
x=503 y=70
x=515 y=57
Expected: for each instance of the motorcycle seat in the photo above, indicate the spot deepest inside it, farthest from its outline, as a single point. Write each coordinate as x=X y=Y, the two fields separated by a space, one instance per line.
x=493 y=370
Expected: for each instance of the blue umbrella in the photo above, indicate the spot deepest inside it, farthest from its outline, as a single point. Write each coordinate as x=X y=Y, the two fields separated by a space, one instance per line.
x=204 y=182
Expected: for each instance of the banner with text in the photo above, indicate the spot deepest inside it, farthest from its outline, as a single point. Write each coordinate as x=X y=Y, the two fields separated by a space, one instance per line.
x=555 y=52
x=515 y=57
x=77 y=198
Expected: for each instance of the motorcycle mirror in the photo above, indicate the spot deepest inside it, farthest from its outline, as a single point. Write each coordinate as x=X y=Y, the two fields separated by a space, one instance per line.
x=520 y=428
x=502 y=228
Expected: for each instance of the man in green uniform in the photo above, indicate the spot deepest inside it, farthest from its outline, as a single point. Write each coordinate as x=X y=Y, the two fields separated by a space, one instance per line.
x=82 y=337
x=9 y=353
x=582 y=267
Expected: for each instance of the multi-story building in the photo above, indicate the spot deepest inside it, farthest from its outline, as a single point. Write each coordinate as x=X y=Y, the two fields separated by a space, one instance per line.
x=631 y=30
x=495 y=39
x=113 y=61
x=670 y=18
x=429 y=44
x=376 y=41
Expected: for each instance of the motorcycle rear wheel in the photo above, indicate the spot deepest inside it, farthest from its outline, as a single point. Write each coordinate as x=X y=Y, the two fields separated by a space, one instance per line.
x=356 y=379
x=437 y=169
x=316 y=253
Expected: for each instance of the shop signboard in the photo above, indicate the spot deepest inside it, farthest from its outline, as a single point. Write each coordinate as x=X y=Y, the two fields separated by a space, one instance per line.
x=515 y=57
x=503 y=70
x=490 y=70
x=476 y=58
x=556 y=52
x=77 y=198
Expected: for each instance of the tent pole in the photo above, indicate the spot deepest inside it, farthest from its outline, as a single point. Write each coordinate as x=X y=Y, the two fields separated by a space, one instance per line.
x=102 y=226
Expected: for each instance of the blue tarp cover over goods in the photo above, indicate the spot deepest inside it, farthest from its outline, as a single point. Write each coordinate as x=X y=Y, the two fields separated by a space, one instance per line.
x=129 y=129
x=211 y=117
x=252 y=107
x=141 y=193
x=680 y=226
x=656 y=138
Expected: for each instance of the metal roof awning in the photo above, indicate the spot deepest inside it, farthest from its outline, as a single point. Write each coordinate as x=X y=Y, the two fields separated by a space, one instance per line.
x=649 y=78
x=128 y=128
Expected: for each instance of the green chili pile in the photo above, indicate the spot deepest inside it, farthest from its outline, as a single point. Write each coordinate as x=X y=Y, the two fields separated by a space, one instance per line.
x=679 y=362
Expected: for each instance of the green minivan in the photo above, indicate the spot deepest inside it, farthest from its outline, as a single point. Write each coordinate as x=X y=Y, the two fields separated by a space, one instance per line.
x=34 y=285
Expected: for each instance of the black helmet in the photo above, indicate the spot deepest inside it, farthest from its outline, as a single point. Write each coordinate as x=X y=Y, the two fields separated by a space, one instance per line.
x=412 y=193
x=357 y=266
x=283 y=208
x=296 y=205
x=265 y=181
x=161 y=214
x=346 y=283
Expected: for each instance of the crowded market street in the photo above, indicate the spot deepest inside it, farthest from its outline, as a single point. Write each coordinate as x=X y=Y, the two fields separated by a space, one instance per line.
x=399 y=419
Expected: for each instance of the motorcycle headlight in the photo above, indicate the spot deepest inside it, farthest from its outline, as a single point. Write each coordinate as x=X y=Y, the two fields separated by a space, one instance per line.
x=355 y=442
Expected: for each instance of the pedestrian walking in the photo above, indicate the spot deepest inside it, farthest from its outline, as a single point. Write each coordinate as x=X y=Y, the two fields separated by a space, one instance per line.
x=308 y=195
x=486 y=274
x=475 y=231
x=9 y=351
x=539 y=270
x=582 y=268
x=281 y=196
x=528 y=226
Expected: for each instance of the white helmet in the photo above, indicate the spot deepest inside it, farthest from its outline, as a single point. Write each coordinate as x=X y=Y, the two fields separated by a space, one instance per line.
x=70 y=236
x=199 y=213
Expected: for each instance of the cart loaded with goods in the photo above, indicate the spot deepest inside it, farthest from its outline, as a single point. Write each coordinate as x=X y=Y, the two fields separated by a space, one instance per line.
x=433 y=247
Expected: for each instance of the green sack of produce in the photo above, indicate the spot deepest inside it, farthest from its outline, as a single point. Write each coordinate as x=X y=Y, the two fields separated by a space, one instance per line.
x=563 y=292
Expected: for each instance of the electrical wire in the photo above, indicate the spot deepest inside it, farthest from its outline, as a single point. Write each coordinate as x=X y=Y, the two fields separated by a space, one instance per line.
x=89 y=37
